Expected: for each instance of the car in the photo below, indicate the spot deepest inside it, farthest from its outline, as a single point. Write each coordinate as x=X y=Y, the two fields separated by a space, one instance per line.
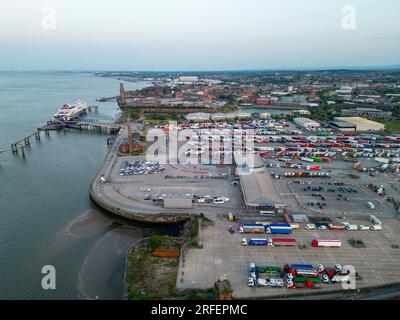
x=325 y=278
x=230 y=229
x=320 y=268
x=103 y=180
x=310 y=226
x=252 y=266
x=363 y=227
x=322 y=227
x=218 y=201
x=376 y=228
x=253 y=275
x=338 y=268
x=251 y=283
x=275 y=283
x=289 y=276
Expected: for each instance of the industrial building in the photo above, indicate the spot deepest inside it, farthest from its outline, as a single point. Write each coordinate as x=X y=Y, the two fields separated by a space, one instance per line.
x=343 y=126
x=306 y=123
x=362 y=124
x=367 y=112
x=260 y=192
x=188 y=79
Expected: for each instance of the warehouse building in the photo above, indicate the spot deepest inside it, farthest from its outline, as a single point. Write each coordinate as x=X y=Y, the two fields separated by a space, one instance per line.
x=343 y=126
x=306 y=123
x=362 y=124
x=260 y=193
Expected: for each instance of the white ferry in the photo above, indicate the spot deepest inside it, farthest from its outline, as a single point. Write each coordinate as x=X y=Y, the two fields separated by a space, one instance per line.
x=70 y=111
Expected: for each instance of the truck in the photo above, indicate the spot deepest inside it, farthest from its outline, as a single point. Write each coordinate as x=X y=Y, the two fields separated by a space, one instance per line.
x=251 y=228
x=341 y=278
x=288 y=242
x=328 y=243
x=279 y=228
x=306 y=270
x=304 y=279
x=270 y=270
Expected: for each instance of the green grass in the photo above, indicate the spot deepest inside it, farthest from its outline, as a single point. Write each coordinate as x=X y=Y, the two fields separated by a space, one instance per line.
x=393 y=126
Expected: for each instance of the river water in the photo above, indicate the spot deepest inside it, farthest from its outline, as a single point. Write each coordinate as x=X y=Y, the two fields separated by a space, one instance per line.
x=46 y=216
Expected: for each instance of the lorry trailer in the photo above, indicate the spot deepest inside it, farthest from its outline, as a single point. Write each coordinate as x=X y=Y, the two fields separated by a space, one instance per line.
x=251 y=228
x=257 y=242
x=334 y=243
x=279 y=228
x=288 y=242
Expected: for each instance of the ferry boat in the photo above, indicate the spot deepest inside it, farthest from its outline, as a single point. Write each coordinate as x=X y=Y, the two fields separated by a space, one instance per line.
x=70 y=111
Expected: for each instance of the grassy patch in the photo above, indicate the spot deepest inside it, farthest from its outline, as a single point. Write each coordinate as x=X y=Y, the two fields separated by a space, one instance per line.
x=155 y=277
x=393 y=126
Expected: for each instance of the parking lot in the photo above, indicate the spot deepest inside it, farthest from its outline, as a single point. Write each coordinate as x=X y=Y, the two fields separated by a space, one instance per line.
x=224 y=257
x=202 y=181
x=338 y=195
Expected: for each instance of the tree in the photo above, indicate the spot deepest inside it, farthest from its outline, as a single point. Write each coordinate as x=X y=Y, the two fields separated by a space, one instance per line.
x=155 y=242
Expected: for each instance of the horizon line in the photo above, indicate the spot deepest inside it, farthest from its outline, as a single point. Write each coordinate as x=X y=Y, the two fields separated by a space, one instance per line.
x=317 y=68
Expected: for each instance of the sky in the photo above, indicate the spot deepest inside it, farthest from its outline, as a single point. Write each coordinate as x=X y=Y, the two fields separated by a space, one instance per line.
x=199 y=35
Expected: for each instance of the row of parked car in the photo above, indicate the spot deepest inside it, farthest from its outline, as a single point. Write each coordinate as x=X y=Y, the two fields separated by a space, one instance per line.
x=195 y=198
x=129 y=168
x=343 y=226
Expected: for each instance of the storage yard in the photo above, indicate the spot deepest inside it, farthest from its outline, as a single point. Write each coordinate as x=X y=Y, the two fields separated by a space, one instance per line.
x=224 y=256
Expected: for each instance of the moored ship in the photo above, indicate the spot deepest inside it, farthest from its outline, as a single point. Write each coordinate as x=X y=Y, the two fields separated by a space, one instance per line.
x=70 y=112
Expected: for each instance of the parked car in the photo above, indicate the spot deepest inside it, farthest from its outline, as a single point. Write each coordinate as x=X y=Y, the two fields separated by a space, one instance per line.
x=310 y=226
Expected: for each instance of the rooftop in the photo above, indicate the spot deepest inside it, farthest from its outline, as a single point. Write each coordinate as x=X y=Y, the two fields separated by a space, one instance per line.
x=259 y=188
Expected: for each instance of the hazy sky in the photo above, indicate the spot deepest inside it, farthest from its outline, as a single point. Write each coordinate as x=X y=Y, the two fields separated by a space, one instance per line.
x=196 y=34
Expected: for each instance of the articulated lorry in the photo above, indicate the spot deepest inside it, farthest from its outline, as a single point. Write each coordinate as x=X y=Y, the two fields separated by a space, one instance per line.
x=327 y=243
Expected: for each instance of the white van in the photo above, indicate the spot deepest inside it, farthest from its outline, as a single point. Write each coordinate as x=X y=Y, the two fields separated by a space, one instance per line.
x=351 y=227
x=262 y=282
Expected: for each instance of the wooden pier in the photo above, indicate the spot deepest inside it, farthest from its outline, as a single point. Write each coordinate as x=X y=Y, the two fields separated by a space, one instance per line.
x=99 y=127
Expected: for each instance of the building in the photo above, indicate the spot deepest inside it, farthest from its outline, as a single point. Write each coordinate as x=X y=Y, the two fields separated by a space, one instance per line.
x=263 y=101
x=260 y=192
x=366 y=112
x=302 y=112
x=188 y=79
x=343 y=126
x=265 y=115
x=362 y=124
x=306 y=123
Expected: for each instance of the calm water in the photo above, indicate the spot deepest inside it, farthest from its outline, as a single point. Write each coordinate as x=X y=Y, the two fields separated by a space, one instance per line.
x=46 y=216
